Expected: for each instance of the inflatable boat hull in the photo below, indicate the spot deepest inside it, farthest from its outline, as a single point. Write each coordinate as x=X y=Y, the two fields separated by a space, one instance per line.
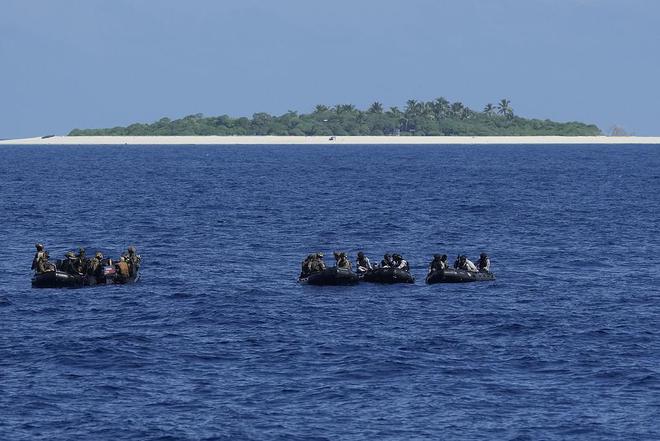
x=451 y=275
x=388 y=275
x=331 y=276
x=60 y=279
x=57 y=279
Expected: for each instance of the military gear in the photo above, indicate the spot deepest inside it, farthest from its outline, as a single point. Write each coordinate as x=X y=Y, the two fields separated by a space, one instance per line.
x=466 y=264
x=133 y=260
x=39 y=247
x=363 y=264
x=484 y=263
x=342 y=261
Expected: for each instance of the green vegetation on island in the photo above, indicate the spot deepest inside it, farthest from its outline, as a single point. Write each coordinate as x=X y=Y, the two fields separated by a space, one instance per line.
x=433 y=118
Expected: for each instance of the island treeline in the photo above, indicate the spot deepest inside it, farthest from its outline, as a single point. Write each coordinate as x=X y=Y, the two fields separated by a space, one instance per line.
x=432 y=118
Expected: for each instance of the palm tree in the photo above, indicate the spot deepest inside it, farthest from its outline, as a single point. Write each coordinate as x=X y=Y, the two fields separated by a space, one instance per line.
x=440 y=107
x=503 y=108
x=344 y=108
x=412 y=108
x=489 y=109
x=456 y=109
x=375 y=108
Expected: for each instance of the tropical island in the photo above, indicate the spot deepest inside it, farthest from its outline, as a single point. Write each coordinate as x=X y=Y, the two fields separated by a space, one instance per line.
x=432 y=118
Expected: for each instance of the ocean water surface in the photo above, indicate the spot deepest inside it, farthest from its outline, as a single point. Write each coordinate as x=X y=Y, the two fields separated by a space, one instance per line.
x=219 y=341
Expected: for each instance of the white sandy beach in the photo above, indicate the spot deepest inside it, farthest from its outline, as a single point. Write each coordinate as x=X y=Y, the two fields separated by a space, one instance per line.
x=324 y=140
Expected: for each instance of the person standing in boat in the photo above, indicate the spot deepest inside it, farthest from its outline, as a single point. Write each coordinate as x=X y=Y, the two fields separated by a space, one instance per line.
x=484 y=263
x=38 y=256
x=363 y=264
x=133 y=260
x=81 y=261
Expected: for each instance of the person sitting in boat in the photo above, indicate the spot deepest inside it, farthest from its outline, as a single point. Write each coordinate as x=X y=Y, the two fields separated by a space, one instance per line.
x=40 y=263
x=70 y=264
x=95 y=267
x=457 y=262
x=438 y=263
x=484 y=263
x=466 y=264
x=123 y=271
x=317 y=264
x=363 y=264
x=400 y=262
x=387 y=261
x=133 y=260
x=342 y=260
x=306 y=266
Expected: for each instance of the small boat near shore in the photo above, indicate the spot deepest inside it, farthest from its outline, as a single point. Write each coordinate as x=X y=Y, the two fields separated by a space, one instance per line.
x=330 y=276
x=451 y=275
x=387 y=275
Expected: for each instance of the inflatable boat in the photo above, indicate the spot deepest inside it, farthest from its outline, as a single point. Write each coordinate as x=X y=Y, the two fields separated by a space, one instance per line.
x=61 y=279
x=388 y=275
x=451 y=275
x=330 y=276
x=57 y=279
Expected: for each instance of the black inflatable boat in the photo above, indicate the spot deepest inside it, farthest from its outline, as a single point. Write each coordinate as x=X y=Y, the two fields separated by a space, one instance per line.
x=388 y=275
x=61 y=279
x=331 y=276
x=57 y=279
x=451 y=275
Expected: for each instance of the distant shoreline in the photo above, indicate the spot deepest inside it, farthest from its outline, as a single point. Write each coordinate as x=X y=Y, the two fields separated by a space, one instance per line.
x=326 y=140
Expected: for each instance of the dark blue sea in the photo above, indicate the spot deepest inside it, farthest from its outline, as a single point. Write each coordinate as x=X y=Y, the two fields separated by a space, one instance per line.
x=219 y=341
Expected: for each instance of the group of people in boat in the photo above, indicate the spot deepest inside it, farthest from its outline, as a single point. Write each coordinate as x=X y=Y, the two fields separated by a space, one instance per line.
x=440 y=262
x=315 y=263
x=77 y=264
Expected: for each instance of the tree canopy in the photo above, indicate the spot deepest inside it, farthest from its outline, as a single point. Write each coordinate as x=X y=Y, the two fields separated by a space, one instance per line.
x=433 y=118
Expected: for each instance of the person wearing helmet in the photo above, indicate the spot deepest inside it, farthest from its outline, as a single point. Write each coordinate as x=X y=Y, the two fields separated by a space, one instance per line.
x=400 y=262
x=81 y=261
x=318 y=264
x=362 y=263
x=70 y=264
x=123 y=272
x=40 y=263
x=342 y=260
x=466 y=264
x=38 y=256
x=484 y=263
x=387 y=261
x=306 y=265
x=438 y=263
x=133 y=260
x=95 y=264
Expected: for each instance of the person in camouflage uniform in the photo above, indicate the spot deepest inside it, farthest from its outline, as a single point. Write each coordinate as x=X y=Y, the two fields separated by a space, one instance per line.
x=133 y=260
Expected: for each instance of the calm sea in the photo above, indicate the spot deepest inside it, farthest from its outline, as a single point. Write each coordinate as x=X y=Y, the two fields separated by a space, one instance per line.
x=218 y=341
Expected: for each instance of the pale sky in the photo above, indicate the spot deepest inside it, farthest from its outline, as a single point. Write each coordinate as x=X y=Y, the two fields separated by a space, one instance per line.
x=98 y=63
